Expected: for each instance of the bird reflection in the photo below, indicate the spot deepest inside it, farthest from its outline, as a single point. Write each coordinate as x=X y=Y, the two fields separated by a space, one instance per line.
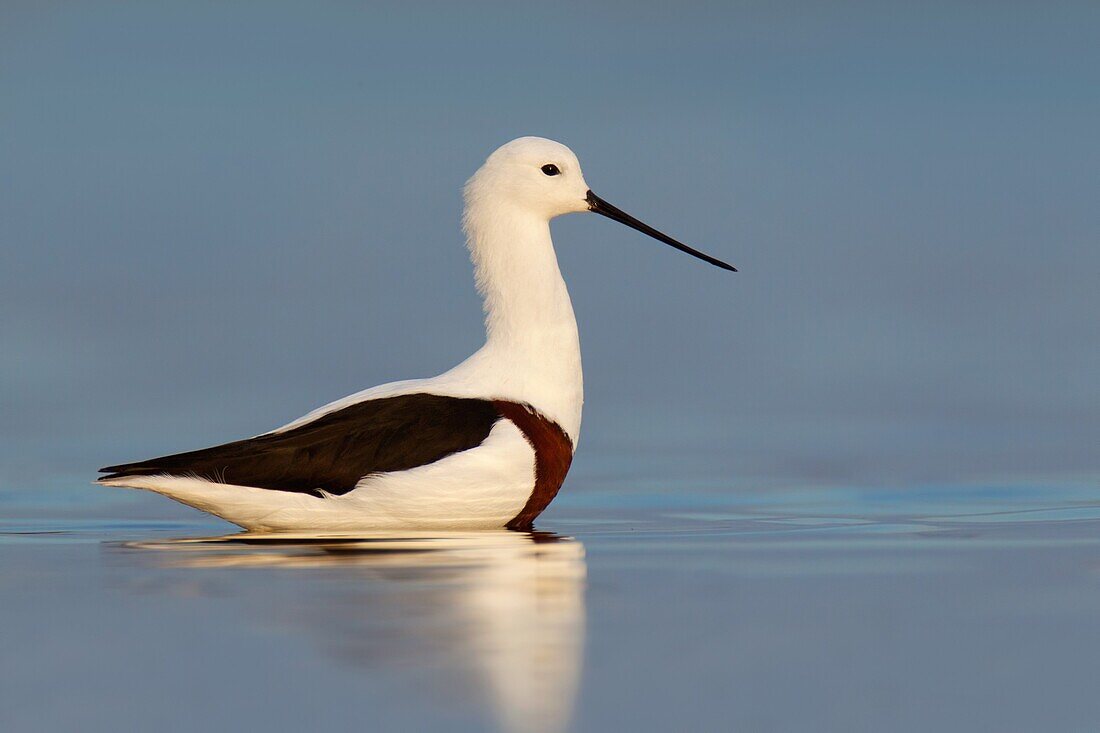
x=504 y=609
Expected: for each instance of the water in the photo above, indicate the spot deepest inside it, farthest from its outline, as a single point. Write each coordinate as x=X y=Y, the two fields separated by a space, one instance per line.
x=215 y=217
x=799 y=608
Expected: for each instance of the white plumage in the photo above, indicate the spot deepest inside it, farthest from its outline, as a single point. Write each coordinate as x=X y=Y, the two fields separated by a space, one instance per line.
x=531 y=358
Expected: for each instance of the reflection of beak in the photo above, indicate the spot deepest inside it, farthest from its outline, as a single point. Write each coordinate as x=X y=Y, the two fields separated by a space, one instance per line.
x=598 y=205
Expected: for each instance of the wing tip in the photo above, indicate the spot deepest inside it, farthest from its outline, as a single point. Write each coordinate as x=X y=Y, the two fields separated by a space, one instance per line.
x=125 y=469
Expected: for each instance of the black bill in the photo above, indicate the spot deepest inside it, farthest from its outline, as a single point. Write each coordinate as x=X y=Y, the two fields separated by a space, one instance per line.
x=598 y=205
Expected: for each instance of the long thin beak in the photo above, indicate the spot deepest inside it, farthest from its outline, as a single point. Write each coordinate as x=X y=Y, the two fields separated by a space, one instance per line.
x=598 y=205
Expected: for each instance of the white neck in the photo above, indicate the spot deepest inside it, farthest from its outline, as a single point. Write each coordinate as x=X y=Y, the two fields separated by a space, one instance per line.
x=532 y=349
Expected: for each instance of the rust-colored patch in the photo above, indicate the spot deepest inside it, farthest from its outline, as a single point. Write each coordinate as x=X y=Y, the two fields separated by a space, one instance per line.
x=553 y=454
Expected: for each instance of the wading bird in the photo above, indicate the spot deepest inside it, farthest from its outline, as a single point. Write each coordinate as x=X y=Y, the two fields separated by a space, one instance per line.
x=486 y=444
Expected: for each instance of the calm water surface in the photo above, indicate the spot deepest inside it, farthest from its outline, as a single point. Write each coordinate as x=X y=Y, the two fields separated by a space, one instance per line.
x=970 y=608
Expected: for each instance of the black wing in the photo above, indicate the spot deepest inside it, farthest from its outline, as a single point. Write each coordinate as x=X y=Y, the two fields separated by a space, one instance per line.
x=337 y=450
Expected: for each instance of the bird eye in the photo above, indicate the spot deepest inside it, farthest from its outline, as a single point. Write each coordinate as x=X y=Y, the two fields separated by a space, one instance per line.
x=550 y=169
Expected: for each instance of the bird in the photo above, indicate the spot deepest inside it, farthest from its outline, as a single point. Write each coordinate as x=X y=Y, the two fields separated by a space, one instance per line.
x=485 y=445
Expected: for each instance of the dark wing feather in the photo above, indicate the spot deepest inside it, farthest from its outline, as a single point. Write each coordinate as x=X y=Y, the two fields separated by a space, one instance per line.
x=337 y=450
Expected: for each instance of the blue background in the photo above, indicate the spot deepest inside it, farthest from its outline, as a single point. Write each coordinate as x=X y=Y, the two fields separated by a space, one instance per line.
x=217 y=216
x=851 y=488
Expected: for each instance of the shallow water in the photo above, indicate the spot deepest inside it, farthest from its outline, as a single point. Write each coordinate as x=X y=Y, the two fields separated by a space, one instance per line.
x=838 y=609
